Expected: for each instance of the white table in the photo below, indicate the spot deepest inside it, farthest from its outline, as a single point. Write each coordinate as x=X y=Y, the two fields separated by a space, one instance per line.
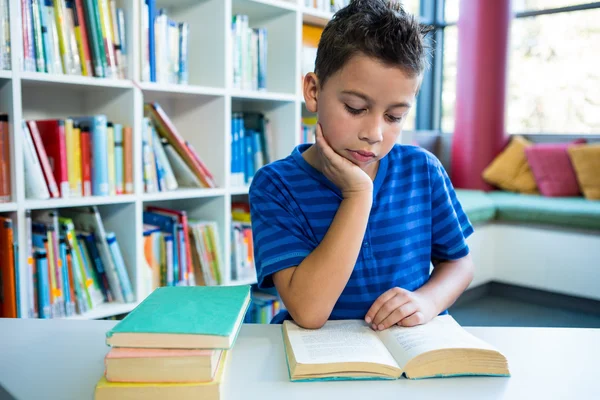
x=63 y=359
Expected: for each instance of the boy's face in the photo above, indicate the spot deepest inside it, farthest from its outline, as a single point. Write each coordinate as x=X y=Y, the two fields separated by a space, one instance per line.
x=362 y=108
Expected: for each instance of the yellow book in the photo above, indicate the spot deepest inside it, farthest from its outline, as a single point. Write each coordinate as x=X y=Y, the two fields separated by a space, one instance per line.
x=107 y=36
x=63 y=40
x=148 y=391
x=73 y=158
x=112 y=177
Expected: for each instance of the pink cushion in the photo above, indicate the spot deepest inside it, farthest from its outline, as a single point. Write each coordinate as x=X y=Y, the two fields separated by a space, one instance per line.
x=552 y=168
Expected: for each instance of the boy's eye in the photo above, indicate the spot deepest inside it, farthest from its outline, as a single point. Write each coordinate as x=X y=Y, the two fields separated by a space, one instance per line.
x=353 y=111
x=394 y=119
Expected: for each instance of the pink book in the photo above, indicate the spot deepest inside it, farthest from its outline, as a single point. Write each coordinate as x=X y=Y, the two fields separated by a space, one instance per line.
x=127 y=352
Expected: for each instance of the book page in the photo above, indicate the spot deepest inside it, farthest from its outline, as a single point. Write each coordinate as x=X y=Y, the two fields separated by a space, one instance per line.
x=338 y=342
x=443 y=332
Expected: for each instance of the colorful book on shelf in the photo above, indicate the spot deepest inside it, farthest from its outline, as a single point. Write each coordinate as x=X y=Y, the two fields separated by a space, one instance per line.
x=97 y=126
x=8 y=287
x=5 y=167
x=106 y=390
x=52 y=133
x=166 y=129
x=43 y=158
x=183 y=220
x=161 y=365
x=188 y=317
x=350 y=350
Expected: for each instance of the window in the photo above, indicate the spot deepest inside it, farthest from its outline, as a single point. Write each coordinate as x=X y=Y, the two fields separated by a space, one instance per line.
x=553 y=76
x=554 y=79
x=449 y=77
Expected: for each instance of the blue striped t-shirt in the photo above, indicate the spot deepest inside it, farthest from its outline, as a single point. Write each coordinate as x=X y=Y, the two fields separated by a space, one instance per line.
x=415 y=217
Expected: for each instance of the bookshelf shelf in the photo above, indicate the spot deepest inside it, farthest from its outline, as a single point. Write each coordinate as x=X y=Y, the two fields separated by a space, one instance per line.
x=181 y=194
x=84 y=81
x=255 y=95
x=8 y=207
x=239 y=190
x=105 y=310
x=315 y=17
x=201 y=112
x=174 y=90
x=78 y=202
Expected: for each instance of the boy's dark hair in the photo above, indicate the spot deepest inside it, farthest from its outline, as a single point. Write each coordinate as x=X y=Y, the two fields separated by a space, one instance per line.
x=376 y=28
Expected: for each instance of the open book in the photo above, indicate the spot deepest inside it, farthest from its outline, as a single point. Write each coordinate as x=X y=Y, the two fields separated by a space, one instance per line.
x=350 y=349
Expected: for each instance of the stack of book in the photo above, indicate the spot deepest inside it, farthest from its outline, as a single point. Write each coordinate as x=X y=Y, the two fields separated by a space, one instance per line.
x=175 y=344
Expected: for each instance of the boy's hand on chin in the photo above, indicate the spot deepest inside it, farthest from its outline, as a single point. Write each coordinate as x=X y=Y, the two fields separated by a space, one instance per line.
x=402 y=307
x=347 y=176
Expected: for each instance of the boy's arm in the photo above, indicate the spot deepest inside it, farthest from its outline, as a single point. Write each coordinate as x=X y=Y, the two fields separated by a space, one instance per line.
x=311 y=289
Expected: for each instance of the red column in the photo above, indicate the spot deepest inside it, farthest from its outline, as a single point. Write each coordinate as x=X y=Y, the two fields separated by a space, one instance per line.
x=479 y=135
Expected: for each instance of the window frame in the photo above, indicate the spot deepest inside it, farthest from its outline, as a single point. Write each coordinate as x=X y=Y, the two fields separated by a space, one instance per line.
x=429 y=101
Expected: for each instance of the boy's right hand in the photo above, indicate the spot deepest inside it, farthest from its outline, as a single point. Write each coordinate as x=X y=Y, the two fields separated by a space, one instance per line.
x=347 y=176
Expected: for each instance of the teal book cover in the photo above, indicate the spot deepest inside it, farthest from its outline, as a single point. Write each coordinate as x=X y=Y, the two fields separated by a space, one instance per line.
x=201 y=310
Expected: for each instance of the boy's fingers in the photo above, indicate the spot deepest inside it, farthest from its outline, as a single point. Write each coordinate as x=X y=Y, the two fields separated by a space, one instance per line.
x=388 y=309
x=413 y=320
x=381 y=300
x=399 y=314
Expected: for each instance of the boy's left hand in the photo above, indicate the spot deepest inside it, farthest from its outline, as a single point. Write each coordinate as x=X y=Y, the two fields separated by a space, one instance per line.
x=402 y=307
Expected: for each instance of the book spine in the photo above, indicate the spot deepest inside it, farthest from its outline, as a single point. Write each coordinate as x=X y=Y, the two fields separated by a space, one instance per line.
x=38 y=41
x=118 y=136
x=107 y=37
x=5 y=46
x=43 y=158
x=73 y=159
x=128 y=159
x=28 y=41
x=5 y=167
x=112 y=13
x=120 y=266
x=96 y=45
x=110 y=159
x=152 y=38
x=123 y=66
x=86 y=160
x=262 y=58
x=70 y=18
x=81 y=35
x=43 y=288
x=184 y=33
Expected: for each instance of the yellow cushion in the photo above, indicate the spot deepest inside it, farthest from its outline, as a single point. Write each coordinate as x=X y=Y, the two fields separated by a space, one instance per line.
x=586 y=162
x=510 y=169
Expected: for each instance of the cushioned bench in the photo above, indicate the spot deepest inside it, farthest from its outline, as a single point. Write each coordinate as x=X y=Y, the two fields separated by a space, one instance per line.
x=540 y=242
x=572 y=212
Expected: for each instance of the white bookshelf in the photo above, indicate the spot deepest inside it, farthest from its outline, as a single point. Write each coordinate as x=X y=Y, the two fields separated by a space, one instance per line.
x=201 y=112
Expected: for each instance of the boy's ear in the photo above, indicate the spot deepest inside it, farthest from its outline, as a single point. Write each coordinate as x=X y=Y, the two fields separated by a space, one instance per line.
x=311 y=91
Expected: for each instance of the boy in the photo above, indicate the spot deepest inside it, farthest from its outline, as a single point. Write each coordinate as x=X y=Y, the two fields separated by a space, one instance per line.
x=346 y=228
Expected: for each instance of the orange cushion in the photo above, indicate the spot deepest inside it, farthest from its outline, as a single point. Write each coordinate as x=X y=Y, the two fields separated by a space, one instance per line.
x=586 y=162
x=510 y=170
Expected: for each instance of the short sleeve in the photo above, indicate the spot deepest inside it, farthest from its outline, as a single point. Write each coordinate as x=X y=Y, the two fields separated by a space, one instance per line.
x=450 y=224
x=280 y=239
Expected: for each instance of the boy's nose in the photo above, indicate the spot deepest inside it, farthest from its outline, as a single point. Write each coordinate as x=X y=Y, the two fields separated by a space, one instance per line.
x=372 y=132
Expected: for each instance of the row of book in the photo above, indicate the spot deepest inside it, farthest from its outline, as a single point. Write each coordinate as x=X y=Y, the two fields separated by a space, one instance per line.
x=251 y=145
x=263 y=308
x=74 y=37
x=5 y=58
x=249 y=55
x=77 y=156
x=308 y=130
x=165 y=42
x=5 y=166
x=179 y=251
x=242 y=249
x=175 y=344
x=168 y=160
x=74 y=265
